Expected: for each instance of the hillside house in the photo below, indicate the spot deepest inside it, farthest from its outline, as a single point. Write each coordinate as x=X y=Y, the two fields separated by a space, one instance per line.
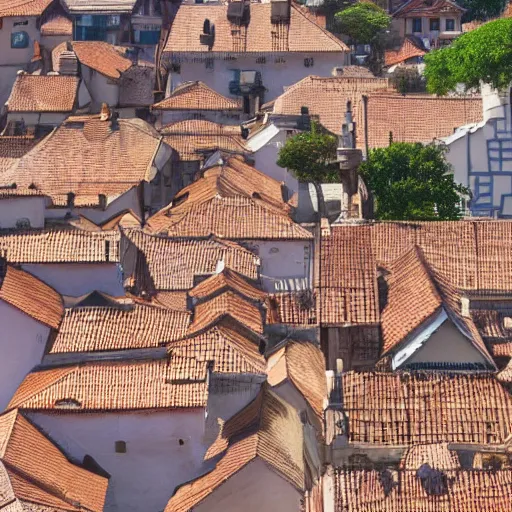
x=71 y=261
x=480 y=156
x=97 y=166
x=28 y=318
x=435 y=22
x=141 y=421
x=249 y=51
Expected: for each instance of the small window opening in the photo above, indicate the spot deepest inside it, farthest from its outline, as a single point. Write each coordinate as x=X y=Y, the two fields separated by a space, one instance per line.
x=120 y=446
x=181 y=442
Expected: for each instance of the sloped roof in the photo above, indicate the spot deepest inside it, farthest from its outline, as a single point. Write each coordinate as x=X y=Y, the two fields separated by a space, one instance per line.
x=417 y=117
x=227 y=304
x=139 y=325
x=35 y=472
x=227 y=279
x=303 y=364
x=301 y=35
x=105 y=58
x=236 y=205
x=196 y=96
x=12 y=8
x=466 y=491
x=408 y=50
x=327 y=98
x=290 y=308
x=191 y=139
x=58 y=24
x=43 y=93
x=421 y=7
x=267 y=428
x=425 y=407
x=115 y=386
x=173 y=264
x=60 y=246
x=437 y=456
x=225 y=345
x=470 y=255
x=12 y=148
x=87 y=157
x=99 y=6
x=31 y=296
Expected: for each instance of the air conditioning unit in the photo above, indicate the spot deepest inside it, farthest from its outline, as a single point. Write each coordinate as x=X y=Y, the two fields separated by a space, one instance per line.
x=280 y=11
x=239 y=13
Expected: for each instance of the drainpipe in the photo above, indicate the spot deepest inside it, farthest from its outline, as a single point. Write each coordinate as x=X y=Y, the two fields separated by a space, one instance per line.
x=365 y=118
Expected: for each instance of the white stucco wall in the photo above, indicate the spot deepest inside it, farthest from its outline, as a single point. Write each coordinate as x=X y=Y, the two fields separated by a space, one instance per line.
x=128 y=200
x=101 y=88
x=19 y=56
x=142 y=479
x=22 y=345
x=77 y=279
x=447 y=345
x=265 y=160
x=290 y=260
x=274 y=76
x=255 y=488
x=20 y=208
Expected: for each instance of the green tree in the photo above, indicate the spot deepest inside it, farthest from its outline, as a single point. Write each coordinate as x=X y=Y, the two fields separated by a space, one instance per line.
x=311 y=156
x=482 y=9
x=363 y=22
x=412 y=182
x=485 y=54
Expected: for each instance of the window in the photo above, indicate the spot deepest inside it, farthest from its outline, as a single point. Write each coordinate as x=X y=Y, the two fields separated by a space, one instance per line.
x=434 y=24
x=120 y=446
x=450 y=25
x=309 y=62
x=416 y=25
x=19 y=40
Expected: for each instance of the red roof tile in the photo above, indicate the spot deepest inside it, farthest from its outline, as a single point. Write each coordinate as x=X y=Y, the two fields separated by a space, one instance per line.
x=303 y=34
x=43 y=93
x=437 y=456
x=423 y=8
x=57 y=25
x=196 y=96
x=293 y=308
x=12 y=8
x=407 y=51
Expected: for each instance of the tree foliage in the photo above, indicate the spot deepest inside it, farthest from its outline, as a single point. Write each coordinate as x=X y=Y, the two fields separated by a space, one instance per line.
x=412 y=182
x=482 y=9
x=485 y=54
x=363 y=21
x=311 y=156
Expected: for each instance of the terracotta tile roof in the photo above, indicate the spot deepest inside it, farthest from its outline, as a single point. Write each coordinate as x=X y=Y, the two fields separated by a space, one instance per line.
x=416 y=117
x=43 y=93
x=289 y=308
x=505 y=375
x=224 y=345
x=412 y=298
x=176 y=301
x=301 y=35
x=191 y=139
x=425 y=407
x=227 y=279
x=12 y=8
x=9 y=193
x=88 y=158
x=303 y=364
x=490 y=323
x=407 y=51
x=355 y=72
x=99 y=6
x=348 y=277
x=507 y=13
x=107 y=59
x=472 y=25
x=471 y=255
x=57 y=25
x=466 y=491
x=196 y=96
x=227 y=304
x=233 y=201
x=136 y=86
x=271 y=430
x=327 y=98
x=422 y=8
x=437 y=456
x=136 y=326
x=173 y=264
x=65 y=246
x=30 y=295
x=116 y=386
x=12 y=149
x=34 y=470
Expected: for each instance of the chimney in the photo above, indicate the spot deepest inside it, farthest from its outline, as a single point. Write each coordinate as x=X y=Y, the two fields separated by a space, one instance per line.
x=464 y=307
x=105 y=112
x=349 y=159
x=280 y=11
